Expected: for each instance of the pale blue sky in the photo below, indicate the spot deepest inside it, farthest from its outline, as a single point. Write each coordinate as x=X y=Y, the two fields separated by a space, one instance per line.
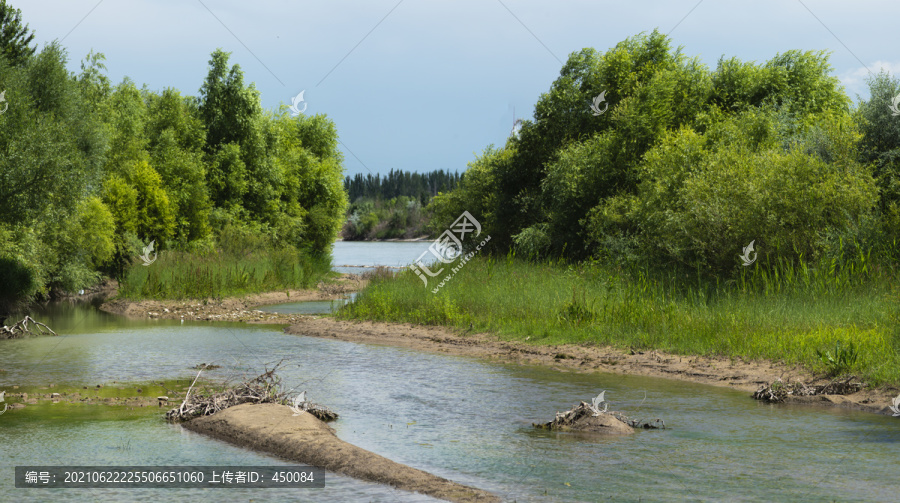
x=437 y=81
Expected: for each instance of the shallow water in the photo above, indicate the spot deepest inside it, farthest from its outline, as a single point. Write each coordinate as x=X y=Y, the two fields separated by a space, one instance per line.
x=465 y=419
x=308 y=307
x=356 y=257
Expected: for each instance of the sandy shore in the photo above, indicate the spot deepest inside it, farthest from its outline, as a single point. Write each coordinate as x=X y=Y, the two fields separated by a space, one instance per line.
x=732 y=373
x=274 y=429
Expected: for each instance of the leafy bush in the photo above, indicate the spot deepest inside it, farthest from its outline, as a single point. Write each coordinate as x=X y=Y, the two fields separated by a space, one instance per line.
x=841 y=361
x=703 y=196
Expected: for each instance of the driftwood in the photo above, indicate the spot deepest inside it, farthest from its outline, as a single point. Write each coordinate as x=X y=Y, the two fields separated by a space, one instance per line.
x=320 y=411
x=579 y=417
x=778 y=391
x=22 y=328
x=264 y=388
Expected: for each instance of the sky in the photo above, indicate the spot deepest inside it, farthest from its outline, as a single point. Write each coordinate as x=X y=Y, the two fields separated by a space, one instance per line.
x=421 y=85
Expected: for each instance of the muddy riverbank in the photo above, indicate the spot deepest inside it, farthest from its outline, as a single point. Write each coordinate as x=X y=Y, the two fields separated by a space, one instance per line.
x=718 y=371
x=238 y=309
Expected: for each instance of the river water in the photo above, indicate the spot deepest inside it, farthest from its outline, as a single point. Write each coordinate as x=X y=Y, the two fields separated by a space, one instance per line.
x=461 y=418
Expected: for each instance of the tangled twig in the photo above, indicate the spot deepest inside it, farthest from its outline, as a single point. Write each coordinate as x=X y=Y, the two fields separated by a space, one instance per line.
x=264 y=388
x=261 y=389
x=778 y=391
x=21 y=328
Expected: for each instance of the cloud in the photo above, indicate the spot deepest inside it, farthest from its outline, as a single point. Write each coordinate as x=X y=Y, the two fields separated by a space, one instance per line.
x=854 y=81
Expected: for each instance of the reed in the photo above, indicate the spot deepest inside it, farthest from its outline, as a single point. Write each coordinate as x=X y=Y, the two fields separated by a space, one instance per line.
x=183 y=275
x=780 y=311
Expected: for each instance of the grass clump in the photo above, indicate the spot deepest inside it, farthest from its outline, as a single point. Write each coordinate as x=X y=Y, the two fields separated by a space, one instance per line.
x=200 y=275
x=841 y=361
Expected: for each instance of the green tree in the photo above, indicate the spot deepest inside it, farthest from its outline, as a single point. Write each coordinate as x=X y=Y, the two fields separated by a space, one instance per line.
x=312 y=197
x=50 y=149
x=228 y=177
x=571 y=182
x=176 y=137
x=95 y=85
x=14 y=36
x=880 y=145
x=233 y=117
x=703 y=196
x=476 y=194
x=227 y=106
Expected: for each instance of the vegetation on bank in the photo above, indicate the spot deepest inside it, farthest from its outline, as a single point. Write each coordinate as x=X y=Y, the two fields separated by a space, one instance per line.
x=821 y=315
x=180 y=275
x=91 y=173
x=397 y=218
x=629 y=218
x=394 y=206
x=687 y=165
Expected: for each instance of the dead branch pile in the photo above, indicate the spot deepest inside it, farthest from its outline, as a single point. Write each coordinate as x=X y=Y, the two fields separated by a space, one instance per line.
x=321 y=412
x=261 y=389
x=778 y=391
x=264 y=388
x=22 y=328
x=583 y=412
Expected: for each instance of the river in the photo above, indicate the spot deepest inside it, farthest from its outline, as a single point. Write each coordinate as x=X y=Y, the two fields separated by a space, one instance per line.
x=462 y=418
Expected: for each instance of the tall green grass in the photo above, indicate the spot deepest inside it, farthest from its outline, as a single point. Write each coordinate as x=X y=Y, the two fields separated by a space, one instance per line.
x=182 y=275
x=779 y=311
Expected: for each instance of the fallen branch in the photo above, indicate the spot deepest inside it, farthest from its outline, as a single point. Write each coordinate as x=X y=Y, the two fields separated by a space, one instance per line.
x=21 y=329
x=264 y=388
x=778 y=391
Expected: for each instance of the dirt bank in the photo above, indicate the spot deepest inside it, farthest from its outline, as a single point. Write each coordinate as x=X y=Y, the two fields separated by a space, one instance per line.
x=274 y=429
x=240 y=309
x=732 y=373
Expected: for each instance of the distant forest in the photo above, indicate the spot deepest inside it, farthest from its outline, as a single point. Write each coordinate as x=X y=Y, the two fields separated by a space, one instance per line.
x=394 y=206
x=422 y=186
